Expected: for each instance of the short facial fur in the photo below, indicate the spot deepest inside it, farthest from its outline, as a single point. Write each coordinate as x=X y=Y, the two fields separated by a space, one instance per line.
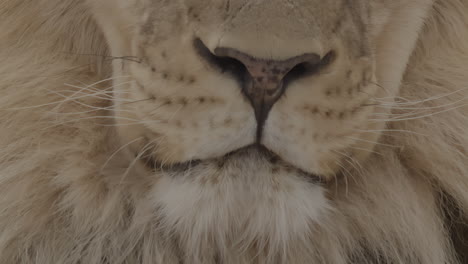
x=192 y=111
x=178 y=172
x=188 y=110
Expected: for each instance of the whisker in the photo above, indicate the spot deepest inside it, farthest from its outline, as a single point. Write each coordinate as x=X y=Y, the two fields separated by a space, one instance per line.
x=424 y=108
x=418 y=117
x=59 y=103
x=134 y=161
x=108 y=108
x=409 y=102
x=82 y=88
x=372 y=142
x=350 y=158
x=346 y=174
x=99 y=82
x=380 y=86
x=390 y=130
x=137 y=101
x=117 y=151
x=91 y=118
x=367 y=150
x=108 y=57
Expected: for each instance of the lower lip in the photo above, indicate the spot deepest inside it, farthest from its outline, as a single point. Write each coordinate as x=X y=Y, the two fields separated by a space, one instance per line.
x=251 y=149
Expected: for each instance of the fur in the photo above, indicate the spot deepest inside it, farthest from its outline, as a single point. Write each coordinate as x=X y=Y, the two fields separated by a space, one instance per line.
x=69 y=195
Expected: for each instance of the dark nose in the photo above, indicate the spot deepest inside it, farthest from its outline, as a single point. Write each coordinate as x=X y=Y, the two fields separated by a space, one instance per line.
x=264 y=82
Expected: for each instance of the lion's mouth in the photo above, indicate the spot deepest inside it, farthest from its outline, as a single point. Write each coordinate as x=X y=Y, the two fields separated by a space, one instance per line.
x=257 y=151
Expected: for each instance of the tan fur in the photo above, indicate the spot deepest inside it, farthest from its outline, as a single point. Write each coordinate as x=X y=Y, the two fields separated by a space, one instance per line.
x=72 y=191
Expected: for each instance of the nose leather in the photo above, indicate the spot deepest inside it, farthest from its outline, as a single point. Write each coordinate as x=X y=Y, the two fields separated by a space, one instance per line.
x=265 y=85
x=265 y=82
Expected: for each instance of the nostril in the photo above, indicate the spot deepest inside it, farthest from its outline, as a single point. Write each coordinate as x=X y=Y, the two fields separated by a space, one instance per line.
x=263 y=81
x=221 y=63
x=230 y=65
x=310 y=67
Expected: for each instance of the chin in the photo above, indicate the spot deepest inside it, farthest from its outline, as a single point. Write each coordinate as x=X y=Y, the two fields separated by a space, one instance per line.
x=247 y=199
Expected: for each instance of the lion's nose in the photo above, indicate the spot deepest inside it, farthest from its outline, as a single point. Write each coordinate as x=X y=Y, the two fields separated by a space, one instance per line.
x=265 y=81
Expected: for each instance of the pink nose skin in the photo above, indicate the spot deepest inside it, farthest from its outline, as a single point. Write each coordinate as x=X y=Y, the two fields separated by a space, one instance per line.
x=266 y=81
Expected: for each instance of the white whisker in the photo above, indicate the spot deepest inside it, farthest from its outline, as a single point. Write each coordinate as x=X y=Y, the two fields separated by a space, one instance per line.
x=134 y=161
x=117 y=151
x=418 y=117
x=409 y=102
x=372 y=142
x=390 y=130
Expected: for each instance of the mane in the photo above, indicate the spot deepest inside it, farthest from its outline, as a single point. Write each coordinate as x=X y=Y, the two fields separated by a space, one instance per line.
x=58 y=204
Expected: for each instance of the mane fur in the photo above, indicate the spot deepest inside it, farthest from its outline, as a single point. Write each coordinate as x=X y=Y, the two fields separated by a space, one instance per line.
x=408 y=204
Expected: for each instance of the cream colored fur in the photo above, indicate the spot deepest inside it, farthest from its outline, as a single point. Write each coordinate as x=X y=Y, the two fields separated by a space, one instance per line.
x=70 y=191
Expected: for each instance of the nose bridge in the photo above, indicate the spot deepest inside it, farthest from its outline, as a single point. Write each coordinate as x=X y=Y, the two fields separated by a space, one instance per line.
x=276 y=13
x=271 y=29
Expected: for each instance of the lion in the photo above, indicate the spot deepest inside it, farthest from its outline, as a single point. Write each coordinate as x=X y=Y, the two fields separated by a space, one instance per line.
x=233 y=131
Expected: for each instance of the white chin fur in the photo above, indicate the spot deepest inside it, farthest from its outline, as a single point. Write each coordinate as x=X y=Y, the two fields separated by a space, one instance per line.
x=239 y=205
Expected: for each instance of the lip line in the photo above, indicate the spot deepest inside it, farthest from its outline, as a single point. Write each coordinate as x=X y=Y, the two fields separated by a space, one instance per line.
x=154 y=165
